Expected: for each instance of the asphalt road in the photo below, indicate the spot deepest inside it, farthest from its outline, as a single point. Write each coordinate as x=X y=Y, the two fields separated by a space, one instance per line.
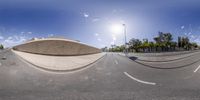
x=114 y=77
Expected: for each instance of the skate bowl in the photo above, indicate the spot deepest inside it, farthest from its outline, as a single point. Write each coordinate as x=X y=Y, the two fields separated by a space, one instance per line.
x=56 y=47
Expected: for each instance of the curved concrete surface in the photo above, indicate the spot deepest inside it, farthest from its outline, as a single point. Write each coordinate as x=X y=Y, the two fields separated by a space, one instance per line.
x=59 y=63
x=57 y=47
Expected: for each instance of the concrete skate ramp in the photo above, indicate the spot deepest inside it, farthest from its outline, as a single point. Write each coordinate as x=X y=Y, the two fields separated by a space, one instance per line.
x=56 y=47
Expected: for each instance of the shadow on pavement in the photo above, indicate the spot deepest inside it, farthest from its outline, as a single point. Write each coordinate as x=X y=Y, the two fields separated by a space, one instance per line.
x=159 y=67
x=133 y=58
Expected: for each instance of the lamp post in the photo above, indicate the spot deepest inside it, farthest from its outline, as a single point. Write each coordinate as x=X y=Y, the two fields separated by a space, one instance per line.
x=124 y=25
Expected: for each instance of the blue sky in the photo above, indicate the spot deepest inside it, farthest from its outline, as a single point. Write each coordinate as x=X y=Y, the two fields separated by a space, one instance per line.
x=89 y=21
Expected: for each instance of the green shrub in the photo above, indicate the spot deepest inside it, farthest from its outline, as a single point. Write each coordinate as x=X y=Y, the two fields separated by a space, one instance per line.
x=1 y=46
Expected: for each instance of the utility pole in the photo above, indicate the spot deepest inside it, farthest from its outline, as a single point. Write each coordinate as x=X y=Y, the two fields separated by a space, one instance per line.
x=124 y=25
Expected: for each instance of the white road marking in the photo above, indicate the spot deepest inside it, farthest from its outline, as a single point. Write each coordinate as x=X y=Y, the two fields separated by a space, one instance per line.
x=196 y=69
x=144 y=82
x=116 y=62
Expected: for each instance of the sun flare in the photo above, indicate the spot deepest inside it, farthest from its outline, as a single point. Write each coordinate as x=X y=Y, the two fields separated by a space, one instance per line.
x=116 y=28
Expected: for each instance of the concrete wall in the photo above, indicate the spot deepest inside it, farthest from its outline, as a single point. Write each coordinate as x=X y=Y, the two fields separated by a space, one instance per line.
x=59 y=47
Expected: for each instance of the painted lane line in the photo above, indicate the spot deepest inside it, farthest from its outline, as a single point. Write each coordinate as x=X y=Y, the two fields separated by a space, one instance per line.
x=196 y=69
x=116 y=62
x=144 y=82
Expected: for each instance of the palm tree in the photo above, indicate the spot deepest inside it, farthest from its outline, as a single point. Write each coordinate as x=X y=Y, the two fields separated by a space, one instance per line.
x=163 y=41
x=179 y=42
x=158 y=42
x=167 y=38
x=185 y=43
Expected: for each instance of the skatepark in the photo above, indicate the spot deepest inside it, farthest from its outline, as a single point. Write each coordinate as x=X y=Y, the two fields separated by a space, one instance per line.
x=55 y=54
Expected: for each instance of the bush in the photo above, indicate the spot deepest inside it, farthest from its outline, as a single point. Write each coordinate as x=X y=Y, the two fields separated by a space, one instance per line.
x=1 y=46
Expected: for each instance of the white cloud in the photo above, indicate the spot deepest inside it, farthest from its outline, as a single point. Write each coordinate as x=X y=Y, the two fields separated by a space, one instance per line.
x=182 y=27
x=189 y=33
x=112 y=43
x=96 y=34
x=29 y=32
x=85 y=15
x=99 y=39
x=114 y=11
x=14 y=40
x=102 y=45
x=95 y=19
x=197 y=41
x=50 y=35
x=192 y=36
x=114 y=38
x=9 y=38
x=1 y=37
x=185 y=33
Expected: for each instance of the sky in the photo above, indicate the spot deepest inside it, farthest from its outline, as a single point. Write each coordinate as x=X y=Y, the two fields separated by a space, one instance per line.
x=91 y=21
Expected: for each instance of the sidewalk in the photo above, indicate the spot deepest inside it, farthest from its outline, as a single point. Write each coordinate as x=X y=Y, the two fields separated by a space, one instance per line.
x=165 y=58
x=59 y=63
x=160 y=54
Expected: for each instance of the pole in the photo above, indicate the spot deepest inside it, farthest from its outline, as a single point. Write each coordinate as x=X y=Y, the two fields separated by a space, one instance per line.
x=125 y=37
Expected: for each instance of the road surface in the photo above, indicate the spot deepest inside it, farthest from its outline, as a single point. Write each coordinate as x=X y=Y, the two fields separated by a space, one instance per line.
x=114 y=77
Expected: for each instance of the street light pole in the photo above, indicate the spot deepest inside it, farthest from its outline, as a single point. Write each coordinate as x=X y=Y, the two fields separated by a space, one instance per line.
x=124 y=25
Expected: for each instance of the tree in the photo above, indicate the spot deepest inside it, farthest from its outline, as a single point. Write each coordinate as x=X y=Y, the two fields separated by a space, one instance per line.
x=1 y=46
x=145 y=45
x=151 y=45
x=167 y=38
x=187 y=43
x=135 y=44
x=112 y=47
x=158 y=42
x=179 y=42
x=193 y=45
x=105 y=49
x=157 y=39
x=173 y=45
x=163 y=41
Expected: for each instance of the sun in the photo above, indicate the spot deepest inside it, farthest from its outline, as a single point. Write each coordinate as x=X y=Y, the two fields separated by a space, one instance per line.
x=116 y=28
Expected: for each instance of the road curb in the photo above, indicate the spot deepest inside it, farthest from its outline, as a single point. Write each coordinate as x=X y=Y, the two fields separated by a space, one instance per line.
x=165 y=60
x=176 y=67
x=172 y=53
x=149 y=66
x=196 y=52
